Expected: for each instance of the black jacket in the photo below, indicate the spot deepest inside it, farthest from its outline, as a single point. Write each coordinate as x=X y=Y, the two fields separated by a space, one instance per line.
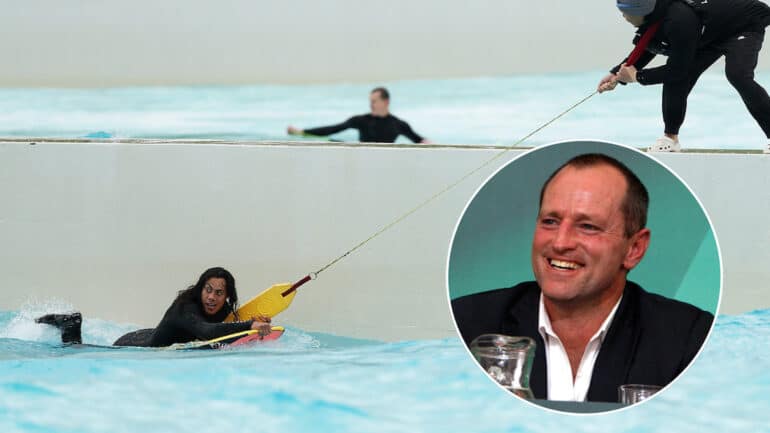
x=691 y=25
x=651 y=339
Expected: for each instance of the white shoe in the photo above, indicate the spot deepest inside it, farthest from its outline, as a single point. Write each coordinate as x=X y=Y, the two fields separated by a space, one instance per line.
x=665 y=144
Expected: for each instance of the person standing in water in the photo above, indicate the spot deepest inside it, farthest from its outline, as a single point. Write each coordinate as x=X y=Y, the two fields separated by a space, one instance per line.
x=197 y=313
x=694 y=34
x=378 y=126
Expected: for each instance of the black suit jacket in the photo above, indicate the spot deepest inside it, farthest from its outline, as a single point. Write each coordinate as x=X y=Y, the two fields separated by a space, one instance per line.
x=650 y=341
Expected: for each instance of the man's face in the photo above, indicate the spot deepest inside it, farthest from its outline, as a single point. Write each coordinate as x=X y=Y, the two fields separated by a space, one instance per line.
x=579 y=250
x=378 y=105
x=634 y=20
x=213 y=295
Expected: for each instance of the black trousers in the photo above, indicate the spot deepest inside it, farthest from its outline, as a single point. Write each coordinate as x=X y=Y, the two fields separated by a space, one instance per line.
x=741 y=53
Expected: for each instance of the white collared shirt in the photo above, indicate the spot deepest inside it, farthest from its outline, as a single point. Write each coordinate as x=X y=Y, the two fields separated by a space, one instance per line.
x=560 y=383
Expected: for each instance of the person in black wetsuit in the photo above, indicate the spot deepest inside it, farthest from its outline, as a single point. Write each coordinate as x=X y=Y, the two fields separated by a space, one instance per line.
x=694 y=34
x=196 y=314
x=379 y=126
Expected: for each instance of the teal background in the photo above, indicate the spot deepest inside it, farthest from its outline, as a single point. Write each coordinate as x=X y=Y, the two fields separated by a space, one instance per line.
x=491 y=246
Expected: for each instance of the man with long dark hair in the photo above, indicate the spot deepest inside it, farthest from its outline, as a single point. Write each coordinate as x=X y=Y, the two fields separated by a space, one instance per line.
x=197 y=313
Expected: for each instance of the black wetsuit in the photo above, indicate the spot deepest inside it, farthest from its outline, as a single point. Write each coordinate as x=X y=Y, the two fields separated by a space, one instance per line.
x=183 y=322
x=694 y=34
x=371 y=129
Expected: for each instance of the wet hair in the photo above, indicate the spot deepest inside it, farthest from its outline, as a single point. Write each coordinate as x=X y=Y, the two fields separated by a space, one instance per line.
x=193 y=293
x=636 y=200
x=384 y=94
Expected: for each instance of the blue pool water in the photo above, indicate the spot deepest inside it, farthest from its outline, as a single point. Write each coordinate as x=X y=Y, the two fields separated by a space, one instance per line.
x=495 y=110
x=308 y=382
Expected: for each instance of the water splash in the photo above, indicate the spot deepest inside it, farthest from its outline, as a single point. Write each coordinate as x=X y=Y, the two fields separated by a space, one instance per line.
x=21 y=325
x=321 y=383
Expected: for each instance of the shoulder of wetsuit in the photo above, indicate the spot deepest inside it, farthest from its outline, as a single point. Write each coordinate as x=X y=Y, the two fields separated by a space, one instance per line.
x=393 y=118
x=660 y=11
x=697 y=6
x=357 y=119
x=186 y=308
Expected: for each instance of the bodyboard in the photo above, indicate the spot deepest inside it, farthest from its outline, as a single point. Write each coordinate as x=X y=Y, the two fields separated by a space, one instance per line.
x=238 y=339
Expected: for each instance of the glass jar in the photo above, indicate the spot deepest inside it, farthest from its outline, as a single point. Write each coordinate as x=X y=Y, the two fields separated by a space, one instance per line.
x=507 y=359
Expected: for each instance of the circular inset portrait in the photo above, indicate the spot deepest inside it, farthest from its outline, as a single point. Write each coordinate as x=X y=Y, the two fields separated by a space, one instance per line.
x=584 y=276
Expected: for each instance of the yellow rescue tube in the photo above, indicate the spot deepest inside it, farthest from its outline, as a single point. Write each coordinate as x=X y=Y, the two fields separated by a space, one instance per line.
x=267 y=304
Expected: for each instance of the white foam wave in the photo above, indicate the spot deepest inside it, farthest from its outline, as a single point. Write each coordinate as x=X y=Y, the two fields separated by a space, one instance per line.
x=22 y=325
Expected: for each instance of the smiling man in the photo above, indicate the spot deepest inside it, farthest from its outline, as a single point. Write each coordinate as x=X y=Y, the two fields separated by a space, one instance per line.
x=594 y=329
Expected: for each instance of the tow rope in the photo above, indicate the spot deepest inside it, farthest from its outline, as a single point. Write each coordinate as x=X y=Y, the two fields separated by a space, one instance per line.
x=634 y=57
x=314 y=275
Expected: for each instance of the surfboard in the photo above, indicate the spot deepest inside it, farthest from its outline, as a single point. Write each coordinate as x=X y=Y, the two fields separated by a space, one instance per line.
x=231 y=340
x=267 y=304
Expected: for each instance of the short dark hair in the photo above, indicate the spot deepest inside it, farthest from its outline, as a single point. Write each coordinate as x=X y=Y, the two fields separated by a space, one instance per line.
x=636 y=200
x=383 y=92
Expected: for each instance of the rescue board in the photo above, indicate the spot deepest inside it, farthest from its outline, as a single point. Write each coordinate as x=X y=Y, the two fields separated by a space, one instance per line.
x=266 y=304
x=231 y=340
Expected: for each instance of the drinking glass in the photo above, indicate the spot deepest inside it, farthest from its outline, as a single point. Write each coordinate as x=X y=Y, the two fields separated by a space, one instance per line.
x=507 y=359
x=634 y=393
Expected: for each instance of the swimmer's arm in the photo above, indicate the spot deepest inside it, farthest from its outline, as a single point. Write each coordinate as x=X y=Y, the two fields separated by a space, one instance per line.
x=261 y=324
x=322 y=131
x=207 y=331
x=407 y=131
x=193 y=322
